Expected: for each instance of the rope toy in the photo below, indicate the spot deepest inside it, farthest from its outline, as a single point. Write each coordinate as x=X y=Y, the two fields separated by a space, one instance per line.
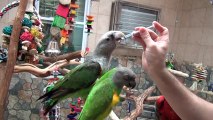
x=8 y=7
x=8 y=30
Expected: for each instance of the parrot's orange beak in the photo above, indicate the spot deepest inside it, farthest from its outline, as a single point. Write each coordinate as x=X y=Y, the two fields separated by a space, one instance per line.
x=132 y=84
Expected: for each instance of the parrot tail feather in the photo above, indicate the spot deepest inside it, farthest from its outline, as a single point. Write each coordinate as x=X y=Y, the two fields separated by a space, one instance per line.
x=47 y=95
x=49 y=106
x=45 y=99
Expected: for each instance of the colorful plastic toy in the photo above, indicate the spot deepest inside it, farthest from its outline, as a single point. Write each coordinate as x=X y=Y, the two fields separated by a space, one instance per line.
x=90 y=20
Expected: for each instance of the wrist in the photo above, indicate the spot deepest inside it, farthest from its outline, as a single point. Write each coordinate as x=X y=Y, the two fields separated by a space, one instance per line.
x=157 y=72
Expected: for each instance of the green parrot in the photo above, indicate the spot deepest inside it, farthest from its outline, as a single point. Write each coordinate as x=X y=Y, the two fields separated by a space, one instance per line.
x=105 y=93
x=169 y=64
x=79 y=81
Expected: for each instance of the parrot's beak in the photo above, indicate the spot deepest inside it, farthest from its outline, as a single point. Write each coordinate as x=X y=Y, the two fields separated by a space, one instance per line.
x=132 y=84
x=119 y=35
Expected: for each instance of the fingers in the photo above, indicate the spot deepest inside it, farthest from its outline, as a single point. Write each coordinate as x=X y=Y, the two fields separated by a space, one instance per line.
x=138 y=39
x=161 y=29
x=144 y=34
x=153 y=35
x=164 y=32
x=147 y=37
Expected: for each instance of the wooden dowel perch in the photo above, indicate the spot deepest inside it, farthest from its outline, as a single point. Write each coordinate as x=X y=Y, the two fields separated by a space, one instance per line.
x=179 y=73
x=152 y=99
x=68 y=56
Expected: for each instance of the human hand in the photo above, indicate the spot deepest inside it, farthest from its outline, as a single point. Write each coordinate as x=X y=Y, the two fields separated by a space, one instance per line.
x=155 y=47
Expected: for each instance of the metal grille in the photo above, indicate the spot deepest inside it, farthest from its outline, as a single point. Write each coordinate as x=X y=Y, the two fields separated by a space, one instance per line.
x=132 y=17
x=126 y=16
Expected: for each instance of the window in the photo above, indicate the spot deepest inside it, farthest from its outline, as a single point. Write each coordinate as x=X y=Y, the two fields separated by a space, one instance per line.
x=78 y=37
x=47 y=9
x=126 y=16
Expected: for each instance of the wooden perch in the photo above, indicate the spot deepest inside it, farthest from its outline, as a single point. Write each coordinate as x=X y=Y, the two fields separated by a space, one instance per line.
x=68 y=56
x=152 y=99
x=139 y=100
x=179 y=73
x=38 y=72
x=63 y=71
x=59 y=62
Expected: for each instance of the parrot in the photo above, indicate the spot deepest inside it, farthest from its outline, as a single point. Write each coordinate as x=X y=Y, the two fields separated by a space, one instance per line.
x=164 y=110
x=105 y=93
x=79 y=81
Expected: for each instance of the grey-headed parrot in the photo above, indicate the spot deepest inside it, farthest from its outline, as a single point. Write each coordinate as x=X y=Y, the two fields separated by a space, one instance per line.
x=79 y=81
x=105 y=93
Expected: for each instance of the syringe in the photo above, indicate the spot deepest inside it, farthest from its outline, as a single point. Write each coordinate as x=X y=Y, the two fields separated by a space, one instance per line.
x=134 y=32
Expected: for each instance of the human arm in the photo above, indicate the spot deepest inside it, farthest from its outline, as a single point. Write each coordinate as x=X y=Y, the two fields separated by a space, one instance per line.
x=187 y=105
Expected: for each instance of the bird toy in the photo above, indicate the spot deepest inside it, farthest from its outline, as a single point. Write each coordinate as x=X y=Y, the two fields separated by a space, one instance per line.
x=90 y=20
x=199 y=74
x=30 y=39
x=5 y=9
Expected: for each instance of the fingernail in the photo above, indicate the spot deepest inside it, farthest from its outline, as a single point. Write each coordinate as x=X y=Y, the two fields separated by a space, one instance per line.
x=153 y=23
x=142 y=30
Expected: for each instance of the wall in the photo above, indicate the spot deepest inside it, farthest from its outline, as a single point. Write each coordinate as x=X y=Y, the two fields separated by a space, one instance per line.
x=22 y=101
x=194 y=33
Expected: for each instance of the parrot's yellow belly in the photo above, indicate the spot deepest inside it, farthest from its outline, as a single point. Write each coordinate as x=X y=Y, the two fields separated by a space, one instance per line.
x=115 y=101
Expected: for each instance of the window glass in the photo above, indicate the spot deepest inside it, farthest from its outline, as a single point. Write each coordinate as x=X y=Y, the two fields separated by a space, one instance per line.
x=47 y=9
x=76 y=38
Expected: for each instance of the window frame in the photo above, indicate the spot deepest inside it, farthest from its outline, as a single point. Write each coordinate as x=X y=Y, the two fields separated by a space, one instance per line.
x=115 y=18
x=86 y=12
x=116 y=12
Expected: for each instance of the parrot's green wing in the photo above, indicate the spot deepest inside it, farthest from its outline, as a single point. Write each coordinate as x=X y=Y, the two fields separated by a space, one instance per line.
x=79 y=78
x=99 y=101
